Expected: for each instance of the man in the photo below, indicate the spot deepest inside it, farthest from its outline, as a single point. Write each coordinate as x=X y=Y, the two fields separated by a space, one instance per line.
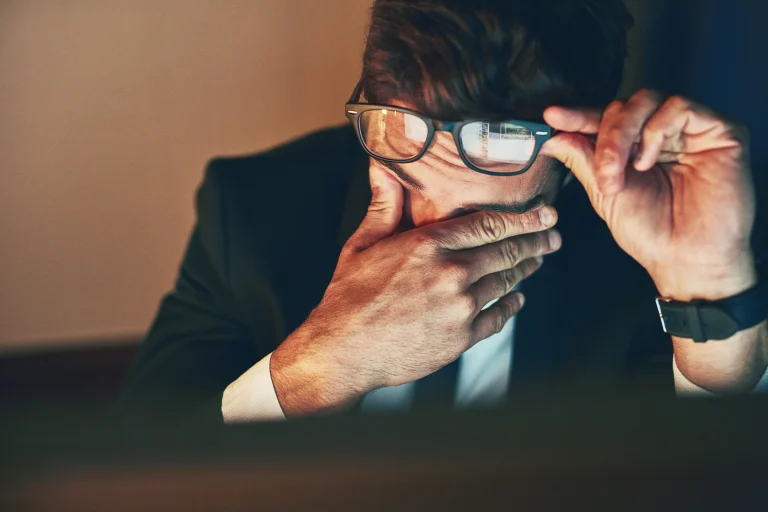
x=305 y=290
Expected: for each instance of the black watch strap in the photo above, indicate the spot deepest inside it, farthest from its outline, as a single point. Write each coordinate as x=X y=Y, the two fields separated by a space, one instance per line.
x=718 y=320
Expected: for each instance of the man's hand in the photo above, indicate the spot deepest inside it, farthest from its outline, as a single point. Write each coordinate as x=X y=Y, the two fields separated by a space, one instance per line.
x=671 y=179
x=402 y=305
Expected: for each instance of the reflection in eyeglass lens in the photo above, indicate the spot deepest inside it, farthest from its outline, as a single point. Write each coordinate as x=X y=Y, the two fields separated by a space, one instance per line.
x=492 y=143
x=393 y=134
x=498 y=147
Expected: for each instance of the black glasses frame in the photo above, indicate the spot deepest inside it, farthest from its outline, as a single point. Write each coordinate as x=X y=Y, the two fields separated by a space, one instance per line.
x=541 y=132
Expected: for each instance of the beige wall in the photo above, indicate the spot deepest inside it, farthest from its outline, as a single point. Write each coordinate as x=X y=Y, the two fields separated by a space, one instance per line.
x=108 y=112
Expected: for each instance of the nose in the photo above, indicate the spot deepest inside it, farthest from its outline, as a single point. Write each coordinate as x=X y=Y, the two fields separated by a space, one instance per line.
x=443 y=148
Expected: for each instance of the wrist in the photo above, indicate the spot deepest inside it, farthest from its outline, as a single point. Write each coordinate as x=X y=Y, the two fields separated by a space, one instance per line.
x=711 y=282
x=308 y=379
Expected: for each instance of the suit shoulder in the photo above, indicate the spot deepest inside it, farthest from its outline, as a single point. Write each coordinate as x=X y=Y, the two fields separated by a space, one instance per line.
x=299 y=183
x=318 y=154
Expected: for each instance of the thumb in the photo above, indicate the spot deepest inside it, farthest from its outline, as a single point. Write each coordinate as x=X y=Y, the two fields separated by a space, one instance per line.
x=577 y=153
x=384 y=212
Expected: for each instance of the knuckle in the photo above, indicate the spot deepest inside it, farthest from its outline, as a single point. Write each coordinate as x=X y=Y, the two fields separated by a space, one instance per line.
x=422 y=240
x=652 y=130
x=467 y=305
x=456 y=272
x=491 y=225
x=510 y=250
x=647 y=94
x=378 y=206
x=529 y=221
x=505 y=312
x=678 y=102
x=610 y=150
x=507 y=280
x=642 y=94
x=434 y=237
x=614 y=106
x=508 y=308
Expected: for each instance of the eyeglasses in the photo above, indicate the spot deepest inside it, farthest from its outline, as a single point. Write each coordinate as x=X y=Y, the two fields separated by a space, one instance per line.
x=400 y=135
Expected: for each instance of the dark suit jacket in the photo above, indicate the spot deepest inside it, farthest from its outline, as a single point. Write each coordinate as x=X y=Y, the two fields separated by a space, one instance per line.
x=269 y=231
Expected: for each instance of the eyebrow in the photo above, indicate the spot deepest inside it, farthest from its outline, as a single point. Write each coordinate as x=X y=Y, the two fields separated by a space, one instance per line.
x=519 y=207
x=407 y=178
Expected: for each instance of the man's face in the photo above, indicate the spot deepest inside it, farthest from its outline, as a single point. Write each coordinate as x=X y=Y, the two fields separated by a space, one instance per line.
x=439 y=186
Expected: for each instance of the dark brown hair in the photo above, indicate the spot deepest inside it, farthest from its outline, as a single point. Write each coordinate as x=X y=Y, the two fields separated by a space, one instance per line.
x=459 y=59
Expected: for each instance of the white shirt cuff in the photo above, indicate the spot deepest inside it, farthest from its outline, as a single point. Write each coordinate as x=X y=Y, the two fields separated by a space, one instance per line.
x=252 y=396
x=686 y=388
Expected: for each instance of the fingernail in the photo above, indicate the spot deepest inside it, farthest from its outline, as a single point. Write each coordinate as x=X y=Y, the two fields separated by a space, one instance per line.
x=546 y=216
x=554 y=240
x=520 y=300
x=538 y=259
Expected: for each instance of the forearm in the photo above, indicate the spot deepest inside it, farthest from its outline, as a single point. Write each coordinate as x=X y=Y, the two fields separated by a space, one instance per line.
x=287 y=383
x=309 y=379
x=733 y=365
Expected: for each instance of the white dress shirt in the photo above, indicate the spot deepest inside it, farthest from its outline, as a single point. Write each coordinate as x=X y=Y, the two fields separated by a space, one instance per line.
x=482 y=381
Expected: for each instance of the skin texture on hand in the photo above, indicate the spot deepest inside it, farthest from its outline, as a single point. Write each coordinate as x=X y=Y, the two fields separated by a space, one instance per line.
x=671 y=180
x=669 y=177
x=403 y=304
x=684 y=206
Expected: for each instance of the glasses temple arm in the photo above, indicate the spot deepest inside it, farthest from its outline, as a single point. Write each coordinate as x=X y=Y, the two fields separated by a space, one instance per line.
x=356 y=93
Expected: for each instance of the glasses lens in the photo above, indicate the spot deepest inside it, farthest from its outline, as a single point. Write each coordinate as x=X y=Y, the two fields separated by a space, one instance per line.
x=497 y=147
x=393 y=134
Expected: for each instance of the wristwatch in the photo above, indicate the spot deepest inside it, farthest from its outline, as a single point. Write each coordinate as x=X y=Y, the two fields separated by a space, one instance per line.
x=714 y=320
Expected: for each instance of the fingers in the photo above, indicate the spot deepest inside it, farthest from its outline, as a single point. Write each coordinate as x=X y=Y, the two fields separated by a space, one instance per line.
x=499 y=284
x=508 y=253
x=680 y=127
x=487 y=227
x=492 y=320
x=577 y=153
x=663 y=130
x=669 y=131
x=622 y=125
x=579 y=120
x=384 y=212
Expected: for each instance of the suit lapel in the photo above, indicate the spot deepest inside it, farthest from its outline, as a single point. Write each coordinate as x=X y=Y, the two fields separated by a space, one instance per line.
x=539 y=331
x=582 y=311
